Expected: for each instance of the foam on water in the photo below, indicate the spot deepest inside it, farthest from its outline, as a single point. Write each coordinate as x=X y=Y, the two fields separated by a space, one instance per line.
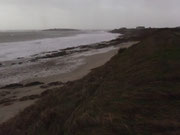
x=14 y=73
x=14 y=50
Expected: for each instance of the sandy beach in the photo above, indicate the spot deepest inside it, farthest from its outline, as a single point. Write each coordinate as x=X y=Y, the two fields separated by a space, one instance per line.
x=15 y=100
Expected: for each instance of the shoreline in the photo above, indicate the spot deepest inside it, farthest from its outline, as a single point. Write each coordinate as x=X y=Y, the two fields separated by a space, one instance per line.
x=23 y=97
x=81 y=70
x=9 y=111
x=91 y=62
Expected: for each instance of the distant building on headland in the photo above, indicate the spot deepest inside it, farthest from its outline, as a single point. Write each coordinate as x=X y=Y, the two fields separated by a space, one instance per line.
x=140 y=27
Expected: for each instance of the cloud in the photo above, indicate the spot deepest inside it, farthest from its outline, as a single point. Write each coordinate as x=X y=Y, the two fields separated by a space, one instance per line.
x=92 y=14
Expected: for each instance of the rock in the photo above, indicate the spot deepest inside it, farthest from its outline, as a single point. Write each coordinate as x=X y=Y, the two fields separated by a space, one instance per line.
x=19 y=58
x=31 y=97
x=4 y=93
x=34 y=60
x=7 y=101
x=53 y=55
x=69 y=48
x=44 y=86
x=51 y=85
x=13 y=63
x=140 y=27
x=12 y=86
x=33 y=84
x=55 y=83
x=45 y=93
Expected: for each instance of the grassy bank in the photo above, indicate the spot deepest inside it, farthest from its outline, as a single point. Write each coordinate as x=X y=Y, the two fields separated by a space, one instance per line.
x=136 y=93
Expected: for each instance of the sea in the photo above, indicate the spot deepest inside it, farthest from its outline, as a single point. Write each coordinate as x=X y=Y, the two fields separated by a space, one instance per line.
x=18 y=48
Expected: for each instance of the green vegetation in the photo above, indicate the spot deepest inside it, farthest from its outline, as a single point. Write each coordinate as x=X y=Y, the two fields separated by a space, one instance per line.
x=136 y=93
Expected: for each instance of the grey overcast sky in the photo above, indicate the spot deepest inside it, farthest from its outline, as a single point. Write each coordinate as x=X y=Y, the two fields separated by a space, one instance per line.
x=88 y=14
